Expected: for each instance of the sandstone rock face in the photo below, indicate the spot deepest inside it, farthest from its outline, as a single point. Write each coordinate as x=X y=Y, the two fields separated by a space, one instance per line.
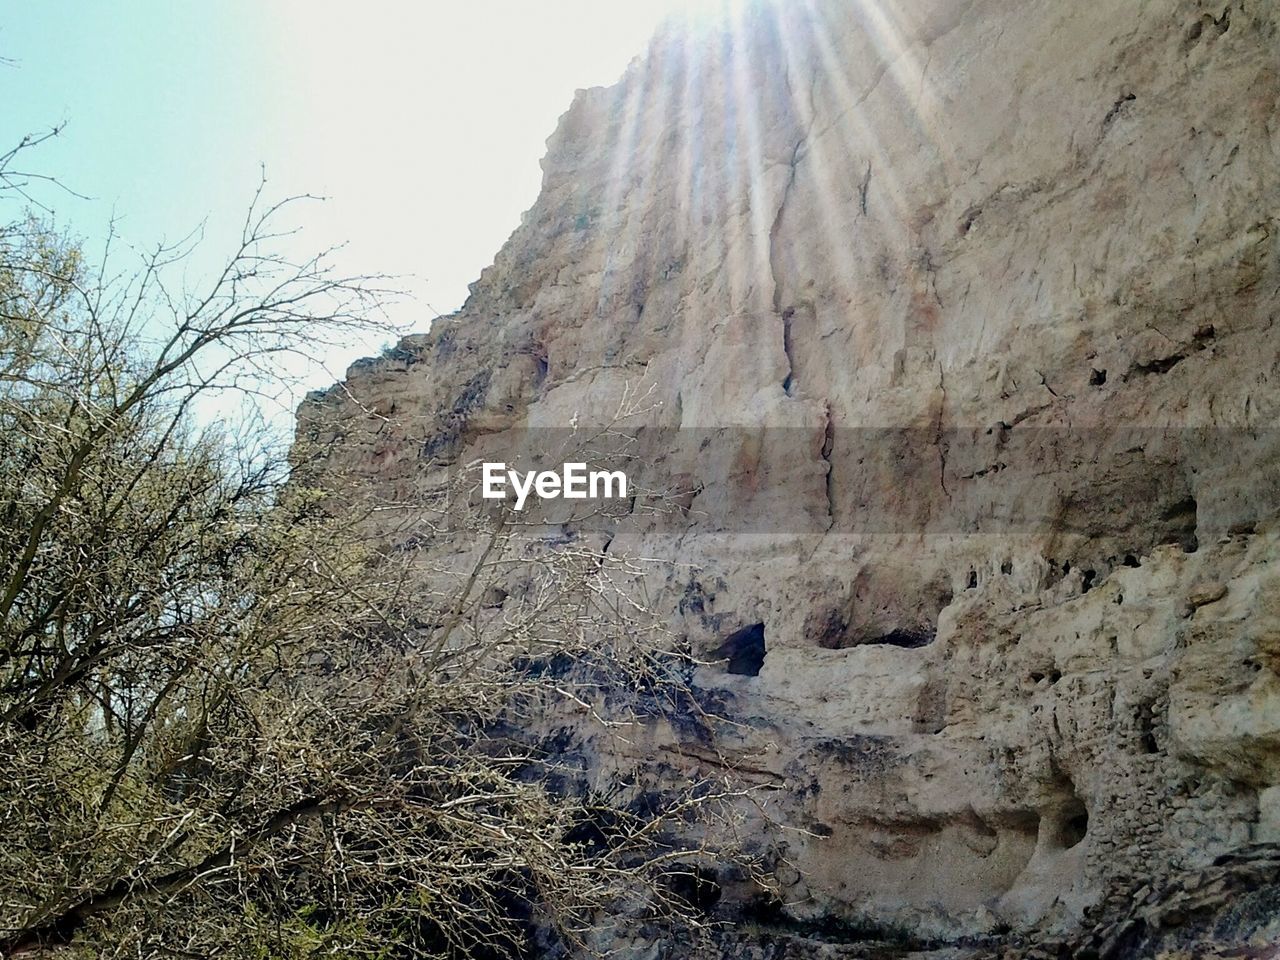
x=950 y=328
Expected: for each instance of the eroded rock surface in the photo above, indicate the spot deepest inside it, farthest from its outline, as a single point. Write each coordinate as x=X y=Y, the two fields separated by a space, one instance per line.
x=952 y=326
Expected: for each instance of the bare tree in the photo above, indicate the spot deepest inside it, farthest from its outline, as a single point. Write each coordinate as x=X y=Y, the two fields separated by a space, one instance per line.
x=232 y=721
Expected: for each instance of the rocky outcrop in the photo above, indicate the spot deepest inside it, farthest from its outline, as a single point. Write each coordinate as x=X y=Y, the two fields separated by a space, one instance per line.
x=946 y=334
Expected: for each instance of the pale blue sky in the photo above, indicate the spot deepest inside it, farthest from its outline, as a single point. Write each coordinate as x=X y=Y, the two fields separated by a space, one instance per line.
x=423 y=122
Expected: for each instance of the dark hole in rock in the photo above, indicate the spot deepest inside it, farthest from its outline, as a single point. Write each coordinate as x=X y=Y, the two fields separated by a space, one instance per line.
x=1087 y=583
x=1071 y=824
x=745 y=651
x=595 y=831
x=1159 y=366
x=1180 y=520
x=698 y=887
x=1131 y=561
x=1097 y=377
x=763 y=908
x=972 y=582
x=877 y=610
x=840 y=637
x=1146 y=718
x=1076 y=828
x=1007 y=567
x=910 y=639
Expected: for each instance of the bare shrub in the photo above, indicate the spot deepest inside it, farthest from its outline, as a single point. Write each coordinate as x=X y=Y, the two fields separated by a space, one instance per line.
x=234 y=720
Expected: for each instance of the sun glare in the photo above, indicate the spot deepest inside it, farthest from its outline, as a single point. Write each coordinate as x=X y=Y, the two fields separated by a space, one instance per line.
x=703 y=92
x=703 y=9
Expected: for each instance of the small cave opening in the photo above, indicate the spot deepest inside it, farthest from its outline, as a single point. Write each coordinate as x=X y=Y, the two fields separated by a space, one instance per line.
x=1097 y=377
x=1071 y=825
x=698 y=887
x=833 y=632
x=1145 y=720
x=744 y=650
x=905 y=637
x=1180 y=524
x=876 y=611
x=764 y=909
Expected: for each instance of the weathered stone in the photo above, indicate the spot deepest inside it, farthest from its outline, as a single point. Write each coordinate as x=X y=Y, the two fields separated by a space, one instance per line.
x=954 y=322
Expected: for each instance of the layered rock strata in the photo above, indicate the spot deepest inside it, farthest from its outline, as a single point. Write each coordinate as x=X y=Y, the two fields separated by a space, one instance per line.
x=947 y=331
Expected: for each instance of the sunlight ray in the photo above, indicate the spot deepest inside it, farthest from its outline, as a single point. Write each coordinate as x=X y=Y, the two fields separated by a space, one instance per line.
x=617 y=181
x=749 y=155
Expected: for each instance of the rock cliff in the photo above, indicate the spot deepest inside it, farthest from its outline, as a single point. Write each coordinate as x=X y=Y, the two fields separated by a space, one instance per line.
x=949 y=329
